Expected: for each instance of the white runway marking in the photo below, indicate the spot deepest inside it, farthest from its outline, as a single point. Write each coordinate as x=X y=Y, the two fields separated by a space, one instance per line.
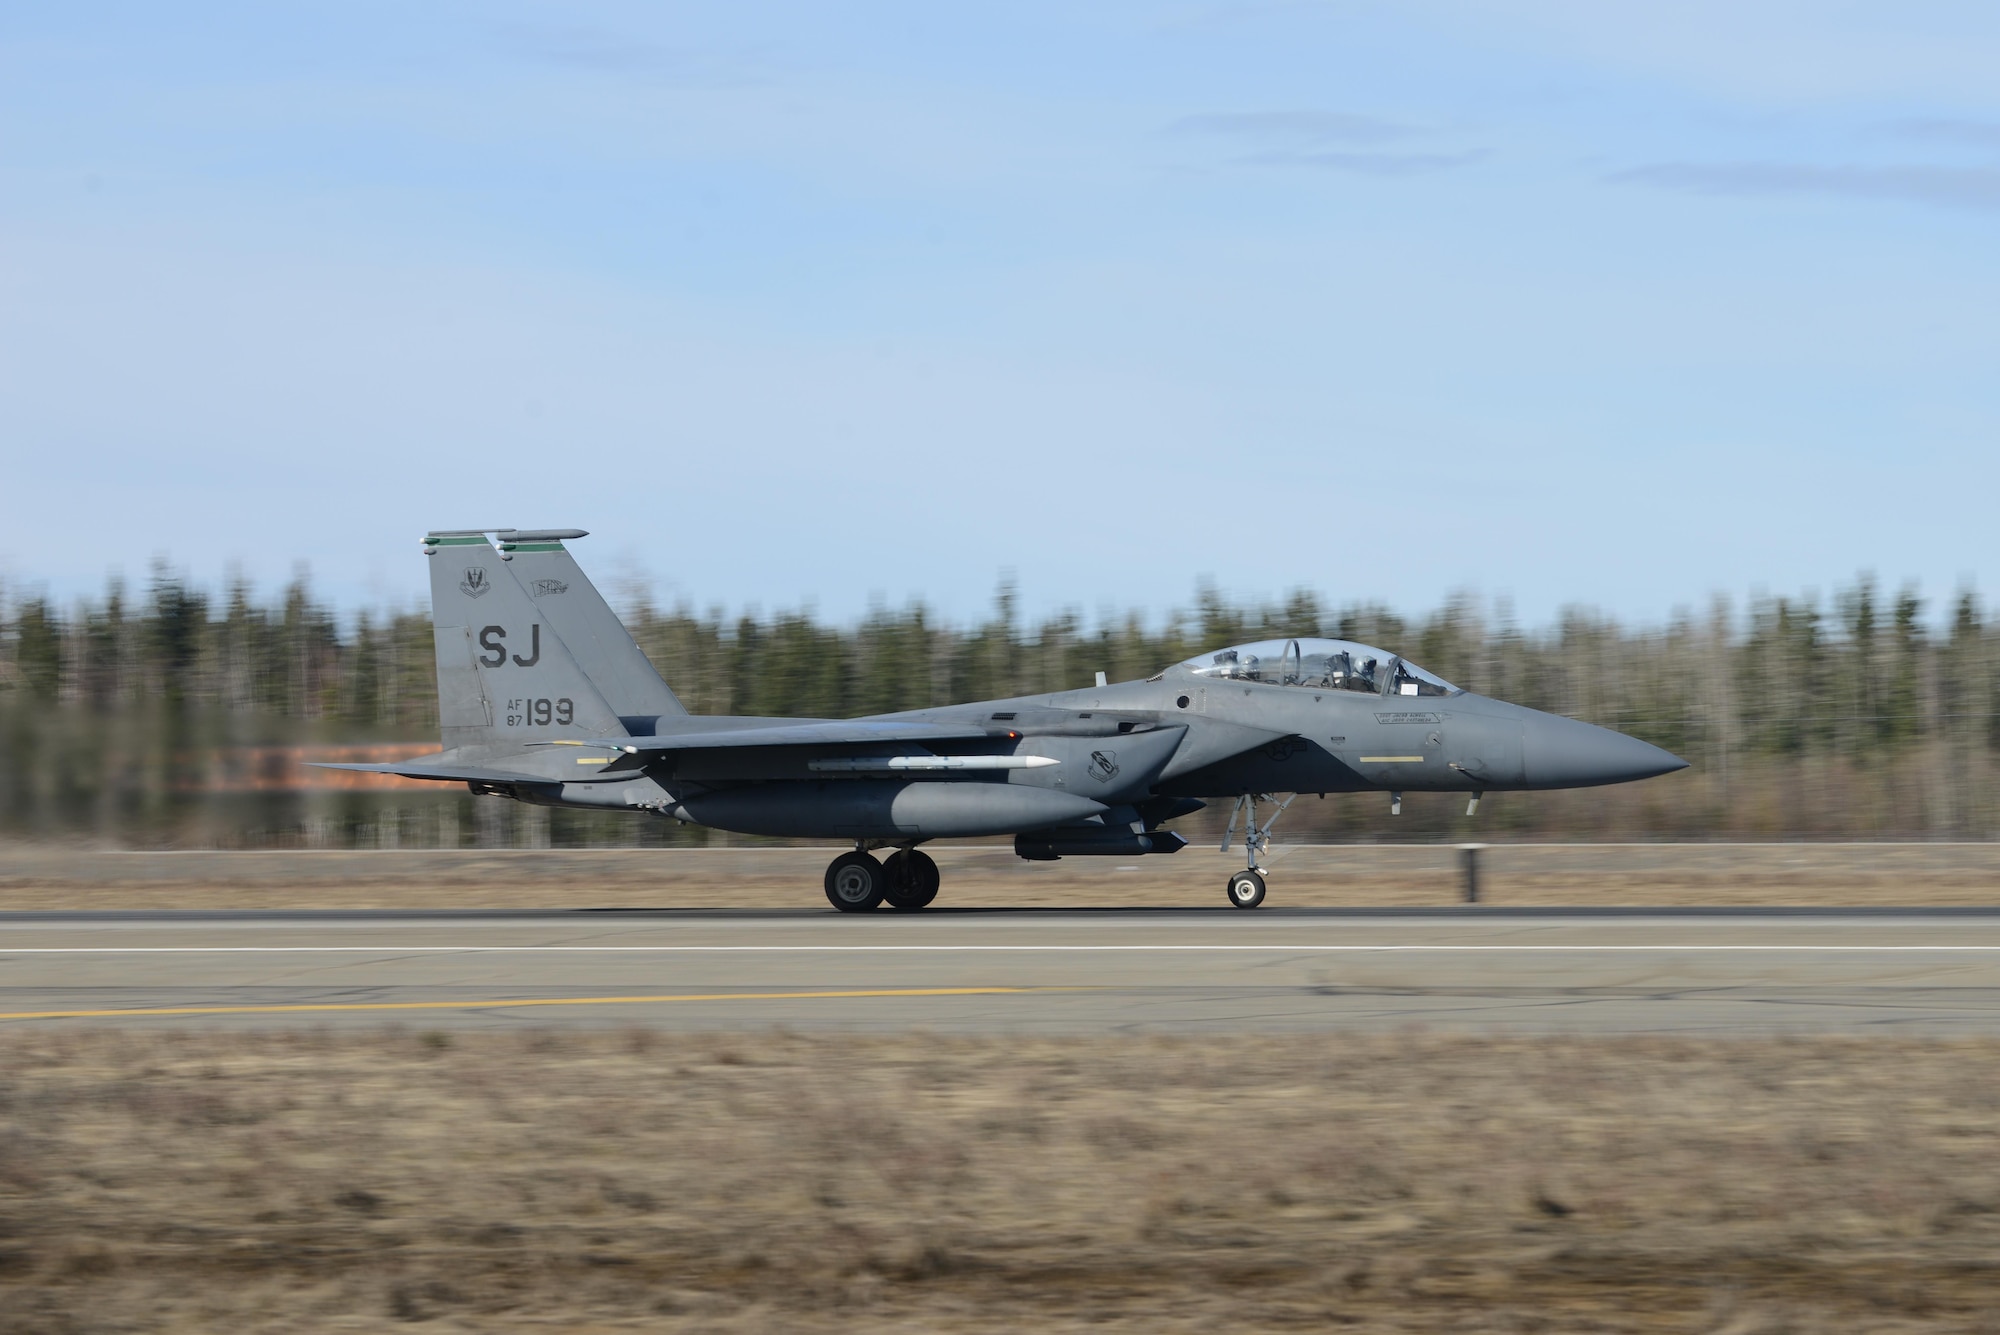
x=1287 y=949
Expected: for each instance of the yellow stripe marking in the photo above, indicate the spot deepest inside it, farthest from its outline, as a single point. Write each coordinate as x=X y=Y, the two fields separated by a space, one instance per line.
x=593 y=760
x=1390 y=760
x=526 y=1001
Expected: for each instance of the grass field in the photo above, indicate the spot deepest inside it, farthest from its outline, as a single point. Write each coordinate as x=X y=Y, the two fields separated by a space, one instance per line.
x=56 y=877
x=200 y=1182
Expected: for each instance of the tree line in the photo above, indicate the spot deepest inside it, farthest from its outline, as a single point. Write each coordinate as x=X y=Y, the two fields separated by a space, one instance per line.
x=1856 y=716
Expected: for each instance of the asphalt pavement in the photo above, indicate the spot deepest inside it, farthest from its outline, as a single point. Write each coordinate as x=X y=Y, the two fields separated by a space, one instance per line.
x=1474 y=969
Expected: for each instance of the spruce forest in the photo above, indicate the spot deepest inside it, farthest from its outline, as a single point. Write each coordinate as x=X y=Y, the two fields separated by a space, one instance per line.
x=125 y=720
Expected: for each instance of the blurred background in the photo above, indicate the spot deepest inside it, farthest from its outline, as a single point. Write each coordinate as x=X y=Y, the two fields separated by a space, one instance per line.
x=1586 y=354
x=172 y=716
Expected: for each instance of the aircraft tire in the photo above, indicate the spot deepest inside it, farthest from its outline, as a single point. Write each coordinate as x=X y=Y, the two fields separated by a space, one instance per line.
x=1246 y=890
x=912 y=878
x=855 y=883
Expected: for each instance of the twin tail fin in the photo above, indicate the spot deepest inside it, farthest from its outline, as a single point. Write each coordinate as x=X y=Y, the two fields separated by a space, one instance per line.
x=571 y=606
x=505 y=676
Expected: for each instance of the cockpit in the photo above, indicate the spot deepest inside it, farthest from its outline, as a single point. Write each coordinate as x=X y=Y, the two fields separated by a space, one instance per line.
x=1321 y=665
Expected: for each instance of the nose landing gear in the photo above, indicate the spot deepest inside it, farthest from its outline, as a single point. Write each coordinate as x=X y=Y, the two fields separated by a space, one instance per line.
x=1246 y=887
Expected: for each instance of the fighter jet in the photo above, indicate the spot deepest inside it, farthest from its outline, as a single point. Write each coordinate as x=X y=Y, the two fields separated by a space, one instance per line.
x=544 y=697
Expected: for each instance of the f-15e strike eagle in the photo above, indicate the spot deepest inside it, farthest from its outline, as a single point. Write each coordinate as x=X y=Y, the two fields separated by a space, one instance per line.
x=544 y=697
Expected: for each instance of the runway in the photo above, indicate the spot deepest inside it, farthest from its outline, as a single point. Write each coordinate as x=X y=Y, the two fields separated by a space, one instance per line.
x=1033 y=971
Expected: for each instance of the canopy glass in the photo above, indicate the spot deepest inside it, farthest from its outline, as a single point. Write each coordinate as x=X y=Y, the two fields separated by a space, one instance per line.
x=1320 y=665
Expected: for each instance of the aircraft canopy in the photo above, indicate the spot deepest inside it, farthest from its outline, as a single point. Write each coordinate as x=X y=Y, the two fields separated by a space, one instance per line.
x=1324 y=665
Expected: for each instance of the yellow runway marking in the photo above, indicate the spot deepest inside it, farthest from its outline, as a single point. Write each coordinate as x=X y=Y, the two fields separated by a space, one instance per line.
x=526 y=1001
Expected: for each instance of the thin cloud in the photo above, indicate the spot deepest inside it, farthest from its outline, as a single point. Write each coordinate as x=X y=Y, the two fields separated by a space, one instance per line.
x=1975 y=134
x=1313 y=127
x=601 y=51
x=1338 y=141
x=1370 y=164
x=1943 y=187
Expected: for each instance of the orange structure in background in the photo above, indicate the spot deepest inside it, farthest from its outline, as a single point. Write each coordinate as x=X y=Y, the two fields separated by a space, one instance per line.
x=287 y=769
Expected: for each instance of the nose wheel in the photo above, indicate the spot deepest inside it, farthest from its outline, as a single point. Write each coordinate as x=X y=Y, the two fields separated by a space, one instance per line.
x=1246 y=889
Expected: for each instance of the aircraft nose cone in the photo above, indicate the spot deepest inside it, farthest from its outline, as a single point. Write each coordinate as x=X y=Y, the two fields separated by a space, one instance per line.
x=1565 y=753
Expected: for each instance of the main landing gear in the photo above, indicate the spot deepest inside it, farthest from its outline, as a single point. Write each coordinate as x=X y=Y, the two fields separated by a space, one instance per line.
x=855 y=882
x=1246 y=887
x=907 y=880
x=913 y=879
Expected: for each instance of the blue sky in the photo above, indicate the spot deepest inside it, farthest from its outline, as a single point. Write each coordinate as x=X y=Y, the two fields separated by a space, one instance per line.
x=829 y=305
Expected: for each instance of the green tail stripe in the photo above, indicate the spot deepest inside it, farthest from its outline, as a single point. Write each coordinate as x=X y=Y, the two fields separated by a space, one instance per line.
x=531 y=546
x=454 y=542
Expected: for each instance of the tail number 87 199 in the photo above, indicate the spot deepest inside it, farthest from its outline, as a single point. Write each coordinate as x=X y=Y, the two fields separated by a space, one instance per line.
x=540 y=713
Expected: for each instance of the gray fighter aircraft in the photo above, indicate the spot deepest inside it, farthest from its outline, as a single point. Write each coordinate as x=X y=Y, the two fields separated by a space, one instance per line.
x=544 y=697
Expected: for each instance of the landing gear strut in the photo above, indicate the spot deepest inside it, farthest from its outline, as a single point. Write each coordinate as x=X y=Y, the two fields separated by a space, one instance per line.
x=1246 y=887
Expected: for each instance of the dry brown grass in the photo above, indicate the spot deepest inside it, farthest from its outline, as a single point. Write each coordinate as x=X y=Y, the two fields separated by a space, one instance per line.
x=542 y=1181
x=55 y=877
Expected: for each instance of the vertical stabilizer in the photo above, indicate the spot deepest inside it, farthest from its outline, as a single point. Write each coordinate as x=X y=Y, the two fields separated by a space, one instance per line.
x=505 y=678
x=571 y=605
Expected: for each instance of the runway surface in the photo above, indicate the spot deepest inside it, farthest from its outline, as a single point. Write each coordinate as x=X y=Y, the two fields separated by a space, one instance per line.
x=1931 y=971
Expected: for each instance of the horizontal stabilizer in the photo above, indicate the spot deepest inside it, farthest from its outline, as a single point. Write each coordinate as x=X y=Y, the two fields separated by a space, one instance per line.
x=447 y=773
